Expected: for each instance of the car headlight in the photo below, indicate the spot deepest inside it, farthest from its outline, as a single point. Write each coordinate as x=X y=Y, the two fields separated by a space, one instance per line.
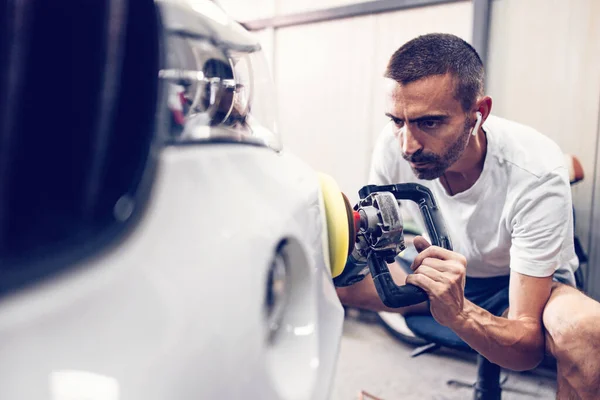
x=218 y=82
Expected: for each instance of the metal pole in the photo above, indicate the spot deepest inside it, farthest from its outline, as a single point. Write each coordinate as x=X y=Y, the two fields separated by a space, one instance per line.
x=488 y=385
x=482 y=11
x=592 y=278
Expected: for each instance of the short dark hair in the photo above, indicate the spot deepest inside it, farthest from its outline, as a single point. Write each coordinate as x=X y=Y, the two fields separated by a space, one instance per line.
x=439 y=54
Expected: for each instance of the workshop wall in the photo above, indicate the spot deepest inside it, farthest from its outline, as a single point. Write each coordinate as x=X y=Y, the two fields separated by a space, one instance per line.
x=593 y=273
x=248 y=10
x=323 y=75
x=328 y=77
x=294 y=6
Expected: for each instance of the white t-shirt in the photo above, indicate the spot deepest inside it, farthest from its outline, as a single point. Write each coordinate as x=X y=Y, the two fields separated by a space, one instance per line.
x=518 y=214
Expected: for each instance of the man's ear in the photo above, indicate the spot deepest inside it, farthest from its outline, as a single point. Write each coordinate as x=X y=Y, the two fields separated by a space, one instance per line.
x=484 y=106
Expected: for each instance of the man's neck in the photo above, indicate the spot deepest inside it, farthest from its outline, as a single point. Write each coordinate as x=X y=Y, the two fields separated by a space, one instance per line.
x=464 y=173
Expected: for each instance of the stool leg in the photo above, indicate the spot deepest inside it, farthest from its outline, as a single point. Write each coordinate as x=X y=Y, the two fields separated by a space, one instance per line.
x=487 y=386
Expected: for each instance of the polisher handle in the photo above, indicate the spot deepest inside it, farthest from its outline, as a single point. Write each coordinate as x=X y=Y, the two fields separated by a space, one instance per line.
x=392 y=295
x=432 y=216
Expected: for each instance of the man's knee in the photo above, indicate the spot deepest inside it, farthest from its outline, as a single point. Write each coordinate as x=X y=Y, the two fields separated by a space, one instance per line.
x=570 y=336
x=573 y=333
x=569 y=316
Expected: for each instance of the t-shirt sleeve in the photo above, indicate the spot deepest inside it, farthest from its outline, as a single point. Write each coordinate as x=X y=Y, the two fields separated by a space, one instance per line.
x=541 y=216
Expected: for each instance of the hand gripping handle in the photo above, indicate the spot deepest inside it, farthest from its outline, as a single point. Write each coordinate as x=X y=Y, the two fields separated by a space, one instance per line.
x=392 y=295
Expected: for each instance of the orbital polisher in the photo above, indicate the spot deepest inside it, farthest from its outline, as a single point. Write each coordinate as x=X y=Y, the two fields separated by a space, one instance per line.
x=364 y=238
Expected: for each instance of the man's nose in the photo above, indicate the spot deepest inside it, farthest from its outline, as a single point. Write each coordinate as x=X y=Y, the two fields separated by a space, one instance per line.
x=409 y=143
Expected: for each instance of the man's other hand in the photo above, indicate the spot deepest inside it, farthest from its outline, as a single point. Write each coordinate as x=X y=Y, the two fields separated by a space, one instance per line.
x=442 y=274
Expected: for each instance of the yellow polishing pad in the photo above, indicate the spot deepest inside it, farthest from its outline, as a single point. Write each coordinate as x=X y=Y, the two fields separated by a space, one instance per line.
x=338 y=230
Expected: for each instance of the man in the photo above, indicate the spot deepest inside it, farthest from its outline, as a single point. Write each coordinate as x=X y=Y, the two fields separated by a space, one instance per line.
x=505 y=195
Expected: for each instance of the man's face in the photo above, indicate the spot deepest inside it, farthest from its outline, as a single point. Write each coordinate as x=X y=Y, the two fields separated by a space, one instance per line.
x=431 y=127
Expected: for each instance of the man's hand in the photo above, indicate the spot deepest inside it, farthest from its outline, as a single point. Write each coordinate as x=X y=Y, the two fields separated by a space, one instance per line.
x=442 y=274
x=516 y=342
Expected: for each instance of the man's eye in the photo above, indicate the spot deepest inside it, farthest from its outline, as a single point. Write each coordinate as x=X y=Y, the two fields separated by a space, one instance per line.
x=429 y=124
x=398 y=122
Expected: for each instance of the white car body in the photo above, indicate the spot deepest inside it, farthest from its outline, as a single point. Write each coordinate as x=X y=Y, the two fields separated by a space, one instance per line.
x=176 y=310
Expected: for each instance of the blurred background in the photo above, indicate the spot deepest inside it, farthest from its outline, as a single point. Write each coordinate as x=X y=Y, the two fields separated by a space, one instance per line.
x=327 y=57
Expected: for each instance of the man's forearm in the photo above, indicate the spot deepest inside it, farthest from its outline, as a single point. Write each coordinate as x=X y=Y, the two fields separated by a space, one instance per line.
x=364 y=295
x=512 y=344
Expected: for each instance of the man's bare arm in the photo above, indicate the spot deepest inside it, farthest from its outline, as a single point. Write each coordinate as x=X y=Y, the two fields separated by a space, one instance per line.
x=364 y=295
x=516 y=342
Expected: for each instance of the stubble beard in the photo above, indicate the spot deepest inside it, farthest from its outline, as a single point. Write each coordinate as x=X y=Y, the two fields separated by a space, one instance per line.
x=439 y=164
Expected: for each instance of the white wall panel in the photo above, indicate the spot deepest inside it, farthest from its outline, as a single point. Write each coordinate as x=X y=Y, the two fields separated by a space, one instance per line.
x=323 y=75
x=330 y=87
x=294 y=6
x=593 y=276
x=544 y=71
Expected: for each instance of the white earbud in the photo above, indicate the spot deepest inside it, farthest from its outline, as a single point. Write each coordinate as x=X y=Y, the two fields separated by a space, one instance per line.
x=477 y=124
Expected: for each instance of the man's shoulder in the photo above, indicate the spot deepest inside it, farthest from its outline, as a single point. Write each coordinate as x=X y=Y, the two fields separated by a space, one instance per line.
x=523 y=148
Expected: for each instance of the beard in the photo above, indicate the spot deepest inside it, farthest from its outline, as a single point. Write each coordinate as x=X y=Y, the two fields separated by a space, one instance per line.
x=438 y=164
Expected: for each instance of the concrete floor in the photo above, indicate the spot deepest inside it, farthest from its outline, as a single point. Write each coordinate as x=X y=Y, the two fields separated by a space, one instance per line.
x=373 y=361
